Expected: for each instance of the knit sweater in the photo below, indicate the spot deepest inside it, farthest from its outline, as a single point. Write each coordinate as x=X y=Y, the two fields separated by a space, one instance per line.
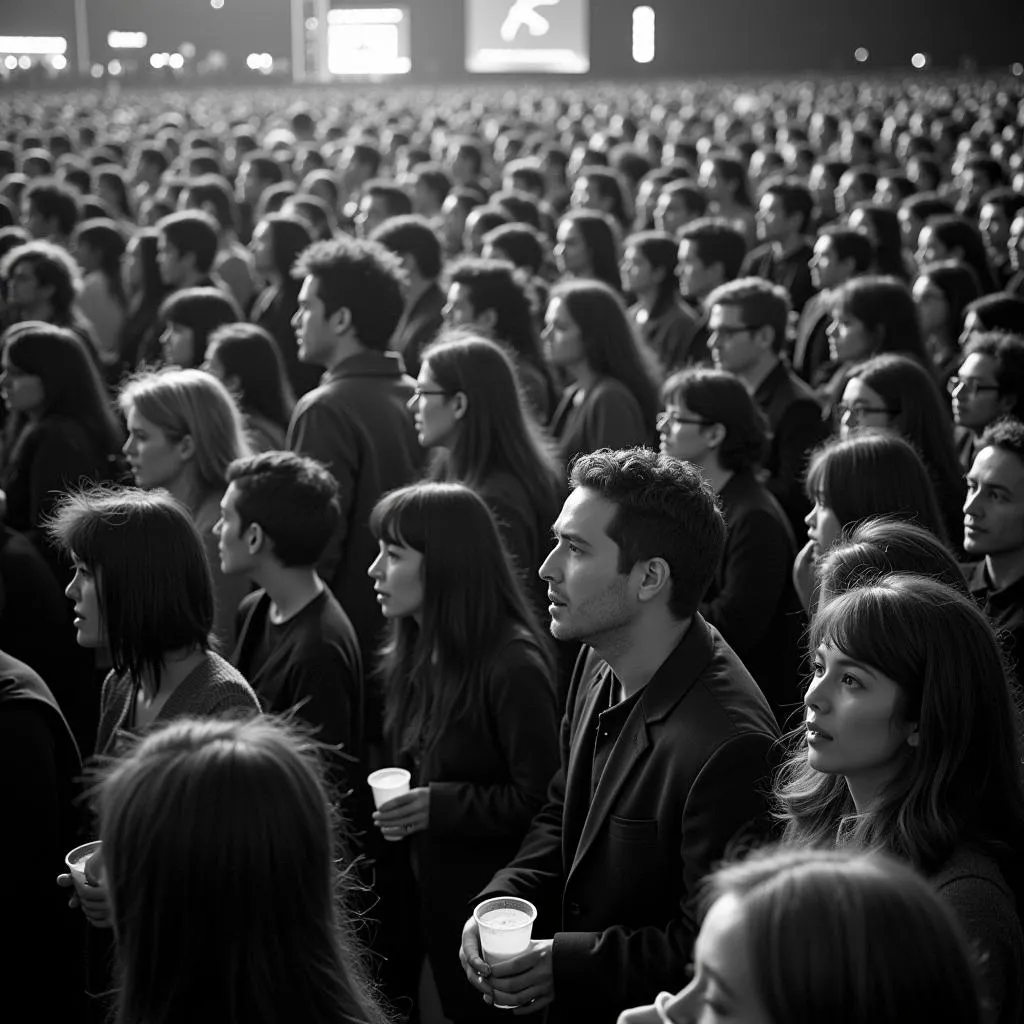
x=212 y=689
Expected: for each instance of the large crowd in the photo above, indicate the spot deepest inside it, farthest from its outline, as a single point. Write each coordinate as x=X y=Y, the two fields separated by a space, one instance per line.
x=641 y=469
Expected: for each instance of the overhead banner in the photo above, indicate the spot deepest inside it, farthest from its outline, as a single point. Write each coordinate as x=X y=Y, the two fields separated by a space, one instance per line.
x=527 y=36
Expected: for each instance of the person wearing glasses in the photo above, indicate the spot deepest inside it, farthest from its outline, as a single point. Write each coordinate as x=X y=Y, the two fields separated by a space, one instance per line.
x=712 y=421
x=895 y=392
x=989 y=384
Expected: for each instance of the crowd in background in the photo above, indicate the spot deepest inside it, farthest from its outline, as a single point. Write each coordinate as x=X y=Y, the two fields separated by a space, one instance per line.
x=642 y=469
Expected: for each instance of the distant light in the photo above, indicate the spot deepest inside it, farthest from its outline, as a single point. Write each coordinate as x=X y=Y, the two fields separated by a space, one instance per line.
x=176 y=61
x=1017 y=69
x=216 y=4
x=59 y=62
x=311 y=24
x=860 y=55
x=158 y=60
x=24 y=63
x=114 y=67
x=127 y=40
x=919 y=60
x=252 y=62
x=10 y=62
x=187 y=50
x=96 y=71
x=643 y=35
x=44 y=45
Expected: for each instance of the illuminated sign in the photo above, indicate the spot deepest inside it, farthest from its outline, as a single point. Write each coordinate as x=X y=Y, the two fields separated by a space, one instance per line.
x=44 y=45
x=126 y=40
x=368 y=42
x=527 y=35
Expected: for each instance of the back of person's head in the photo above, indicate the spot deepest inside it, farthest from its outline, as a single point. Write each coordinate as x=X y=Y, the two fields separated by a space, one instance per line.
x=761 y=304
x=999 y=312
x=522 y=207
x=292 y=499
x=522 y=245
x=273 y=198
x=202 y=311
x=883 y=545
x=195 y=819
x=873 y=473
x=289 y=236
x=54 y=202
x=72 y=386
x=601 y=239
x=716 y=241
x=527 y=175
x=923 y=206
x=362 y=277
x=154 y=585
x=664 y=509
x=413 y=235
x=250 y=362
x=1007 y=352
x=720 y=397
x=885 y=306
x=11 y=237
x=194 y=233
x=190 y=403
x=823 y=929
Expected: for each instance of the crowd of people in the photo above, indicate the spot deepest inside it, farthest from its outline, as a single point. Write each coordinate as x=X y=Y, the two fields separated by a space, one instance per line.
x=640 y=469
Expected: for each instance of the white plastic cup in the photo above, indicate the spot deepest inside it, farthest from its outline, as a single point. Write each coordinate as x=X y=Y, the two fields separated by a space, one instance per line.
x=387 y=783
x=505 y=924
x=78 y=858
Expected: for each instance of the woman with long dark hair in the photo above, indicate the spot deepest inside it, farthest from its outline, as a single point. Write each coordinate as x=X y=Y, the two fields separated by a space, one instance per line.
x=724 y=180
x=196 y=820
x=587 y=247
x=473 y=720
x=612 y=400
x=190 y=316
x=911 y=747
x=942 y=291
x=948 y=237
x=145 y=291
x=99 y=246
x=882 y=226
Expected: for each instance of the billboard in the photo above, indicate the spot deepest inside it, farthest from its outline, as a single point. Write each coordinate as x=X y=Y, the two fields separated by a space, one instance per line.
x=368 y=42
x=527 y=36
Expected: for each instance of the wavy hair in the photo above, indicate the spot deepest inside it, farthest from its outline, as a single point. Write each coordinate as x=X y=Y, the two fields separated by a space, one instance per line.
x=962 y=782
x=198 y=818
x=434 y=672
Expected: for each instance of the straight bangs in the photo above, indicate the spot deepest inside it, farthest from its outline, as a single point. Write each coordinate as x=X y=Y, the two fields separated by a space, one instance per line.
x=398 y=518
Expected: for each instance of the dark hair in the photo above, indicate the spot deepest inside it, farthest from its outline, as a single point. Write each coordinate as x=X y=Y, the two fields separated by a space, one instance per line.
x=1007 y=351
x=761 y=304
x=716 y=240
x=1006 y=434
x=212 y=190
x=609 y=186
x=154 y=584
x=957 y=233
x=522 y=245
x=289 y=236
x=901 y=184
x=665 y=509
x=53 y=201
x=599 y=236
x=435 y=179
x=884 y=226
x=202 y=311
x=885 y=305
x=114 y=177
x=690 y=194
x=961 y=784
x=194 y=233
x=72 y=386
x=923 y=206
x=367 y=154
x=823 y=928
x=147 y=245
x=109 y=241
x=661 y=250
x=266 y=167
x=959 y=286
x=412 y=235
x=315 y=211
x=873 y=473
x=273 y=198
x=195 y=819
x=850 y=244
x=364 y=278
x=718 y=396
x=521 y=207
x=250 y=355
x=611 y=347
x=293 y=498
x=998 y=312
x=734 y=174
x=396 y=200
x=53 y=268
x=433 y=672
x=1008 y=202
x=795 y=198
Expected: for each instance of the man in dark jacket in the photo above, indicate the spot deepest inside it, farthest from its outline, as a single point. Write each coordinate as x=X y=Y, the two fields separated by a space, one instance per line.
x=666 y=747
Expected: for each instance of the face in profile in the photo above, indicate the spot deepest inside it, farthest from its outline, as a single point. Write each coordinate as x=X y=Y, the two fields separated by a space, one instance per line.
x=83 y=591
x=571 y=252
x=823 y=526
x=155 y=458
x=994 y=509
x=436 y=413
x=397 y=574
x=563 y=344
x=177 y=344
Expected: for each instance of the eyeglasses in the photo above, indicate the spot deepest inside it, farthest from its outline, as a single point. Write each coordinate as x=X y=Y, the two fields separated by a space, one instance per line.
x=424 y=392
x=969 y=386
x=856 y=413
x=665 y=418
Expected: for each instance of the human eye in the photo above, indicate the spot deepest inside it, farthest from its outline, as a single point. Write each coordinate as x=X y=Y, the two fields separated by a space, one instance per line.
x=852 y=682
x=819 y=668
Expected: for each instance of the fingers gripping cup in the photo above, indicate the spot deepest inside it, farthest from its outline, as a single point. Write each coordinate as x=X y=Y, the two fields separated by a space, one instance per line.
x=387 y=783
x=505 y=924
x=77 y=859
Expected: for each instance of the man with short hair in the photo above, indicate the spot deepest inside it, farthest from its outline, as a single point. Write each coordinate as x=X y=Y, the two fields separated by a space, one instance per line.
x=431 y=184
x=296 y=646
x=711 y=252
x=186 y=249
x=257 y=172
x=996 y=213
x=417 y=245
x=783 y=220
x=49 y=211
x=679 y=203
x=357 y=423
x=747 y=323
x=381 y=200
x=994 y=531
x=666 y=747
x=1015 y=251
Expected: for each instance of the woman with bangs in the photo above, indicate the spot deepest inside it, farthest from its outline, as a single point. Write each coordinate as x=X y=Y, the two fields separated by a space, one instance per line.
x=911 y=746
x=469 y=710
x=871 y=473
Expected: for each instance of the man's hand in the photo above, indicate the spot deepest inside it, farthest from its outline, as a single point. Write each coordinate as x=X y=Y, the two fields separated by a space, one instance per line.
x=525 y=981
x=470 y=956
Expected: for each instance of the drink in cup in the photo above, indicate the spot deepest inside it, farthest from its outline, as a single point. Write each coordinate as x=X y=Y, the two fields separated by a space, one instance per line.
x=387 y=783
x=77 y=859
x=505 y=924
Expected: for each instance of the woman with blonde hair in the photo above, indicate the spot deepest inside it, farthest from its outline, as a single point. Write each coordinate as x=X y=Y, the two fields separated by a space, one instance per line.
x=184 y=430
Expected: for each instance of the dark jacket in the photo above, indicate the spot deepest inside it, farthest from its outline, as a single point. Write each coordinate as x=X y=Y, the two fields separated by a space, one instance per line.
x=789 y=269
x=670 y=329
x=811 y=351
x=608 y=416
x=418 y=327
x=1005 y=609
x=273 y=310
x=614 y=860
x=797 y=428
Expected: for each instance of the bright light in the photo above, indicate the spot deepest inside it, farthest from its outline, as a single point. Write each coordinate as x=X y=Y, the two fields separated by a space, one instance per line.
x=176 y=61
x=860 y=55
x=216 y=4
x=368 y=16
x=24 y=63
x=311 y=24
x=44 y=45
x=187 y=50
x=127 y=40
x=114 y=67
x=158 y=60
x=10 y=62
x=919 y=60
x=59 y=62
x=96 y=71
x=643 y=35
x=1017 y=69
x=260 y=62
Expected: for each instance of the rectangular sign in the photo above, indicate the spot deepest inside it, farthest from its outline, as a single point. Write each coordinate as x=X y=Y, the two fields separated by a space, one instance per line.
x=368 y=42
x=527 y=35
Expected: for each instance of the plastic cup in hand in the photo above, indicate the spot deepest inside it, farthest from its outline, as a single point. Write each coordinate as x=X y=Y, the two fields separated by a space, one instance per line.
x=78 y=858
x=387 y=783
x=505 y=924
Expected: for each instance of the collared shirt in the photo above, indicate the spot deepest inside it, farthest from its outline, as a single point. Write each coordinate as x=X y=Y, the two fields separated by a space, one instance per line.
x=610 y=724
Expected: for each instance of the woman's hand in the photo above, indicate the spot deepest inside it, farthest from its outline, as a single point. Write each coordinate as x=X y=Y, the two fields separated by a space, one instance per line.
x=92 y=897
x=405 y=814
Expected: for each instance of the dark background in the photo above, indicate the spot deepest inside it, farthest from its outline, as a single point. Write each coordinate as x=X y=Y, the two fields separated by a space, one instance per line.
x=708 y=37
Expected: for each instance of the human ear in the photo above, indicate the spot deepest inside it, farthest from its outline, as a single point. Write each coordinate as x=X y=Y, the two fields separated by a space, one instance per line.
x=655 y=579
x=715 y=434
x=340 y=320
x=254 y=538
x=187 y=446
x=460 y=404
